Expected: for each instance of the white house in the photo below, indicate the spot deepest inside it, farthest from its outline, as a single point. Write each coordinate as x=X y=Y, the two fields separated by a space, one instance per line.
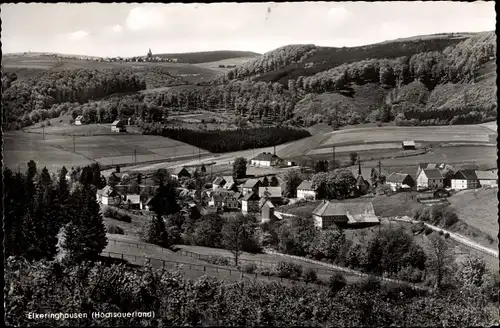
x=265 y=159
x=250 y=203
x=464 y=179
x=218 y=183
x=118 y=126
x=133 y=201
x=398 y=181
x=79 y=120
x=108 y=196
x=306 y=191
x=488 y=178
x=429 y=178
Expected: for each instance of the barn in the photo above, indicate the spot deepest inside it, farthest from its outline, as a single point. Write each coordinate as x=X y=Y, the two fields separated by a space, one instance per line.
x=329 y=214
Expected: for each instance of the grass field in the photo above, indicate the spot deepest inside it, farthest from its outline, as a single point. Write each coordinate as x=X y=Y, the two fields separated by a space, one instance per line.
x=56 y=151
x=231 y=61
x=27 y=66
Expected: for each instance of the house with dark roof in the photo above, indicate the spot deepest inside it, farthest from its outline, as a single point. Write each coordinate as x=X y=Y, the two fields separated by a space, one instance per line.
x=230 y=184
x=250 y=203
x=266 y=159
x=216 y=200
x=306 y=191
x=108 y=196
x=180 y=172
x=218 y=182
x=399 y=181
x=251 y=185
x=488 y=178
x=344 y=214
x=429 y=179
x=464 y=179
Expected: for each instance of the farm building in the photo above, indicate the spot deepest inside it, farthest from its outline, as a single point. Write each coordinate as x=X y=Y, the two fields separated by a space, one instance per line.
x=215 y=200
x=250 y=203
x=266 y=159
x=108 y=196
x=229 y=185
x=464 y=179
x=79 y=120
x=488 y=178
x=399 y=181
x=251 y=185
x=118 y=126
x=133 y=201
x=267 y=212
x=180 y=172
x=408 y=145
x=270 y=193
x=306 y=191
x=218 y=183
x=230 y=201
x=422 y=166
x=329 y=214
x=429 y=178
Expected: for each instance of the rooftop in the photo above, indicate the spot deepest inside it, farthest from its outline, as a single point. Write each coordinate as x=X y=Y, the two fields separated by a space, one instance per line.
x=305 y=185
x=432 y=174
x=487 y=175
x=355 y=211
x=274 y=192
x=251 y=183
x=396 y=177
x=265 y=157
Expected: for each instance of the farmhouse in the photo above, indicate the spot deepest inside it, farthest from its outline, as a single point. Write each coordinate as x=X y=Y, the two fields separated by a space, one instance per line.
x=108 y=196
x=118 y=126
x=133 y=201
x=79 y=120
x=218 y=183
x=429 y=178
x=464 y=179
x=399 y=181
x=265 y=159
x=488 y=178
x=270 y=193
x=215 y=200
x=422 y=166
x=250 y=203
x=229 y=185
x=230 y=201
x=306 y=191
x=180 y=172
x=408 y=145
x=329 y=214
x=251 y=185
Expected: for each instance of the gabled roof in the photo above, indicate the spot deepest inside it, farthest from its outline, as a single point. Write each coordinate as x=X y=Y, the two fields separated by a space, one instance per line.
x=237 y=195
x=432 y=174
x=251 y=183
x=355 y=211
x=487 y=175
x=465 y=175
x=305 y=185
x=397 y=177
x=228 y=185
x=275 y=192
x=117 y=122
x=178 y=170
x=409 y=143
x=134 y=198
x=228 y=178
x=218 y=181
x=265 y=157
x=266 y=203
x=79 y=118
x=251 y=196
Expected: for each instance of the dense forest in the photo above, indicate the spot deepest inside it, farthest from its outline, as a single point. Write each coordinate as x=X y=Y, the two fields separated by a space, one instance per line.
x=291 y=62
x=219 y=141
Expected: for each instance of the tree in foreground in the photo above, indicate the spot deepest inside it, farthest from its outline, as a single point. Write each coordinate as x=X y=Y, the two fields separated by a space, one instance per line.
x=440 y=262
x=239 y=168
x=236 y=234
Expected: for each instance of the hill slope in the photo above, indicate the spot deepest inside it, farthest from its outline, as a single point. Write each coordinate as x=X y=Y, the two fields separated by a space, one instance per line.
x=207 y=56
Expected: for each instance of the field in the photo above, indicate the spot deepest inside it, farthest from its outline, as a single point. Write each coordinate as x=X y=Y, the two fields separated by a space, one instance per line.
x=478 y=209
x=26 y=67
x=56 y=151
x=231 y=61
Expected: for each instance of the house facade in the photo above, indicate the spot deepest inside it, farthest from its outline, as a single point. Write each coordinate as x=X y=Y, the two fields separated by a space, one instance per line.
x=488 y=178
x=251 y=185
x=218 y=183
x=306 y=191
x=429 y=179
x=215 y=200
x=266 y=160
x=118 y=126
x=399 y=181
x=250 y=203
x=230 y=201
x=329 y=214
x=109 y=196
x=464 y=179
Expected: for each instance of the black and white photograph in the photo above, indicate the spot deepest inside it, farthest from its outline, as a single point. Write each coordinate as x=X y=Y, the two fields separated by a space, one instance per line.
x=279 y=164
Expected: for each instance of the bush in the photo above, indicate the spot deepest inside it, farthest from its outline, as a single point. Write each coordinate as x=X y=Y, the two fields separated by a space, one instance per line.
x=417 y=228
x=336 y=282
x=447 y=235
x=114 y=229
x=450 y=218
x=249 y=268
x=369 y=284
x=266 y=272
x=310 y=275
x=410 y=274
x=428 y=231
x=288 y=270
x=218 y=260
x=440 y=232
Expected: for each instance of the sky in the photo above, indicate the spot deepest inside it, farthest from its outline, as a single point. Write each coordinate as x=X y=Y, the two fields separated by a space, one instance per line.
x=128 y=29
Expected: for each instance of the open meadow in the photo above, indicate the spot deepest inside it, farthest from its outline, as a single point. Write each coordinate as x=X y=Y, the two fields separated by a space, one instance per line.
x=56 y=151
x=225 y=62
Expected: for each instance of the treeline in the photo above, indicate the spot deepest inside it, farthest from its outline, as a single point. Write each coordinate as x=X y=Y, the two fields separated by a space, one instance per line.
x=79 y=85
x=221 y=141
x=291 y=62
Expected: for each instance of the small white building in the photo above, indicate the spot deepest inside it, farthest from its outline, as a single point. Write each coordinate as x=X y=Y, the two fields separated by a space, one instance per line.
x=429 y=178
x=108 y=196
x=133 y=201
x=398 y=181
x=464 y=179
x=266 y=159
x=118 y=126
x=488 y=178
x=306 y=191
x=79 y=120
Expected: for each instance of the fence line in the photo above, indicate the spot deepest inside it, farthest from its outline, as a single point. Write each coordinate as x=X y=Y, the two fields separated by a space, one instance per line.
x=147 y=261
x=140 y=245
